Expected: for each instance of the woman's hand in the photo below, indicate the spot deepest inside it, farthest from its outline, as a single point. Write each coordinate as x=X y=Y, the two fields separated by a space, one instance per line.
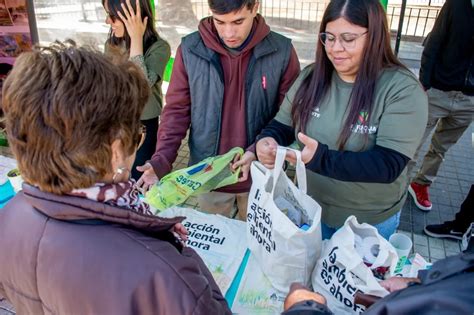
x=180 y=232
x=266 y=151
x=135 y=26
x=308 y=152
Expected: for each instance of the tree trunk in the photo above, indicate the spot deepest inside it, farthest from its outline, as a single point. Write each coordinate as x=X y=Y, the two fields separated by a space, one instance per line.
x=176 y=12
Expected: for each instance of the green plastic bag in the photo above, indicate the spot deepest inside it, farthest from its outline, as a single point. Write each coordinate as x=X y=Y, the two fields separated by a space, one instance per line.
x=168 y=70
x=207 y=175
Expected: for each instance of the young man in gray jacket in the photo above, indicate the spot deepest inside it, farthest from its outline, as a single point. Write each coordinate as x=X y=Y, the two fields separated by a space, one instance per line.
x=229 y=79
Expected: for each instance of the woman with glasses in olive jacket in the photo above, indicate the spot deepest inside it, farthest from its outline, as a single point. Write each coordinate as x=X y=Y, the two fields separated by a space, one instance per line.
x=358 y=113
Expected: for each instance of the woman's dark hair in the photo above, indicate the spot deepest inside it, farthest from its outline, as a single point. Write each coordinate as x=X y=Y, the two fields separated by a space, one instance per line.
x=227 y=6
x=150 y=36
x=377 y=56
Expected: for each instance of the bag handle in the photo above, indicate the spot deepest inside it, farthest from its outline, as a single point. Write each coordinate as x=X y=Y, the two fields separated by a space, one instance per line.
x=300 y=167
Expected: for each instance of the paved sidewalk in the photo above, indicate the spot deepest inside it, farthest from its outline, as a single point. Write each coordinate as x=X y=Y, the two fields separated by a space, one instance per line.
x=452 y=185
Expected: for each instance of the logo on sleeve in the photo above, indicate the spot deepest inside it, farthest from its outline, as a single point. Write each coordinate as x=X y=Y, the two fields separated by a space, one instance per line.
x=315 y=112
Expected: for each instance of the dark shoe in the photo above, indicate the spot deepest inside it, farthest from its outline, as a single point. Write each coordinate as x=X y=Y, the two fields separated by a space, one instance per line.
x=445 y=230
x=421 y=196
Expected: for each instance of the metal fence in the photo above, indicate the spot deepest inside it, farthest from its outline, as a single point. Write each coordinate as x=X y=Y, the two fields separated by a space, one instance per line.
x=418 y=22
x=419 y=2
x=85 y=10
x=289 y=13
x=296 y=14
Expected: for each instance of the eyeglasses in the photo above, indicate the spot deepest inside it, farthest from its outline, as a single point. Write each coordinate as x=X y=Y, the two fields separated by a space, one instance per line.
x=140 y=136
x=111 y=15
x=347 y=40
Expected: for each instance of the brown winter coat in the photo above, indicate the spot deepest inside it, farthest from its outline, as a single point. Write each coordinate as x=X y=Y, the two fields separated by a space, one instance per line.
x=69 y=255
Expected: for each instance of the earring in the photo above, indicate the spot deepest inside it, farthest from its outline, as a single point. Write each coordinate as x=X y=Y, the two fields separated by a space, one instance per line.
x=118 y=172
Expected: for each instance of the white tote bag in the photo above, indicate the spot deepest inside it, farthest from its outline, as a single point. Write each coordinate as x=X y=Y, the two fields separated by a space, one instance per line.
x=217 y=239
x=341 y=271
x=256 y=295
x=286 y=252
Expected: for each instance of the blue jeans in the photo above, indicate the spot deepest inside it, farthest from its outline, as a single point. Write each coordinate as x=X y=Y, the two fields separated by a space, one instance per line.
x=385 y=228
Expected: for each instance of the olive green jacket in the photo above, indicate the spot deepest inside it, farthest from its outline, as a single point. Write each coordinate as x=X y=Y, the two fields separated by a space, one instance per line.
x=153 y=64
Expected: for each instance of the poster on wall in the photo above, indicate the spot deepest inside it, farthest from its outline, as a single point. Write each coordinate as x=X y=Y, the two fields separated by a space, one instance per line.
x=17 y=33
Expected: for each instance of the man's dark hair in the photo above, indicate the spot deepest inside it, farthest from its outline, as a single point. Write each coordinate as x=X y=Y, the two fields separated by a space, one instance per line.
x=227 y=6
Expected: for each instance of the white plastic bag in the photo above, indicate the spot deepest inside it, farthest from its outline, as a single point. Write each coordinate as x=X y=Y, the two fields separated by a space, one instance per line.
x=286 y=252
x=255 y=295
x=217 y=239
x=341 y=271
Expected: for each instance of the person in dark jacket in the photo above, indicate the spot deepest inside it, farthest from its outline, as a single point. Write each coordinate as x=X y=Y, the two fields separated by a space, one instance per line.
x=444 y=289
x=447 y=74
x=229 y=79
x=78 y=239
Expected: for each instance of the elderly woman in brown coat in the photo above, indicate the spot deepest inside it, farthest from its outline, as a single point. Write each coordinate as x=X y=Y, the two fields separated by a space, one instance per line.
x=77 y=239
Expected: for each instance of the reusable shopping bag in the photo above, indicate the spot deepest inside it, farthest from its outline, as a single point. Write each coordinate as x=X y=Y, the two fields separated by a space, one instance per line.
x=255 y=294
x=207 y=175
x=283 y=224
x=217 y=239
x=349 y=262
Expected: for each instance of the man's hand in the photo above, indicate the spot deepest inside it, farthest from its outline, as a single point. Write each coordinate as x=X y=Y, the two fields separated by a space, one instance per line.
x=244 y=162
x=300 y=293
x=148 y=177
x=308 y=152
x=266 y=151
x=397 y=283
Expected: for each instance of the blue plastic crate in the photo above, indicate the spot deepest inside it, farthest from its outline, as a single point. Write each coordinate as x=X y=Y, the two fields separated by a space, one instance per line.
x=6 y=193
